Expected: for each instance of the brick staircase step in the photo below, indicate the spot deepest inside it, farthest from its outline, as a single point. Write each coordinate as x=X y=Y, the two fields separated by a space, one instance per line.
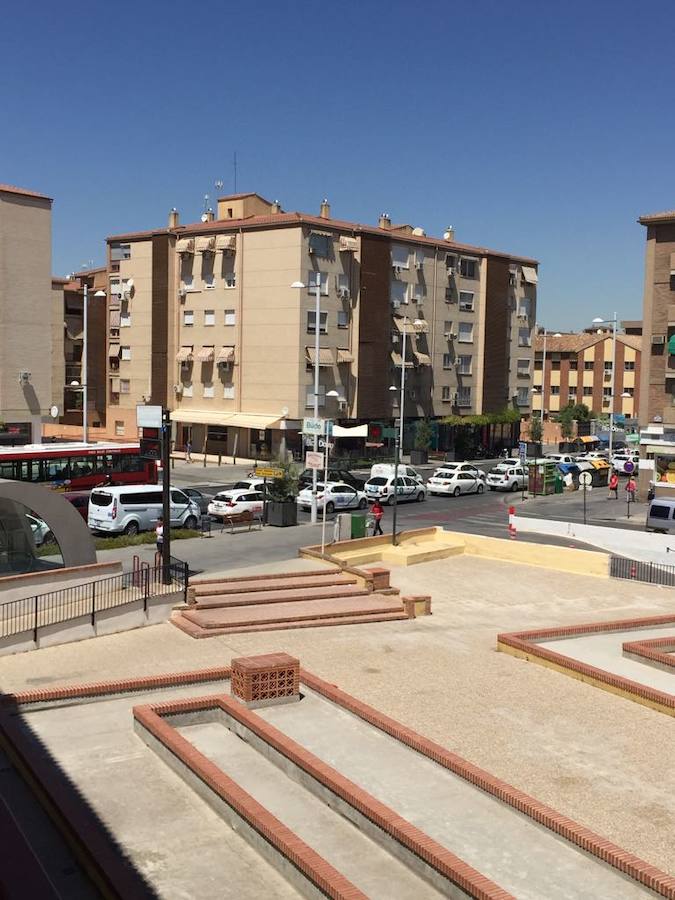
x=270 y=584
x=197 y=632
x=312 y=573
x=264 y=614
x=260 y=598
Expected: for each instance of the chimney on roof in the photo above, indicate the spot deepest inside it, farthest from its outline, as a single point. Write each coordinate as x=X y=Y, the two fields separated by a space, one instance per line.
x=384 y=221
x=324 y=211
x=276 y=208
x=173 y=218
x=449 y=233
x=209 y=215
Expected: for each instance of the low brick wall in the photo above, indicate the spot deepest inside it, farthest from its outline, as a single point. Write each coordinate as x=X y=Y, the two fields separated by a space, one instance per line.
x=261 y=679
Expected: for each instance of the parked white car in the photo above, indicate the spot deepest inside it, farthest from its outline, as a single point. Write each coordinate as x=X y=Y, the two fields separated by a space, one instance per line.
x=452 y=467
x=507 y=478
x=137 y=507
x=334 y=495
x=231 y=503
x=246 y=484
x=619 y=463
x=560 y=457
x=593 y=455
x=40 y=530
x=455 y=482
x=381 y=487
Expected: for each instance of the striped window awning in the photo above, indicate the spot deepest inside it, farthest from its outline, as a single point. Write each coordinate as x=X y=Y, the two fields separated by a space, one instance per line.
x=184 y=354
x=115 y=315
x=225 y=355
x=344 y=355
x=113 y=351
x=325 y=356
x=348 y=244
x=423 y=359
x=530 y=275
x=205 y=244
x=397 y=360
x=205 y=354
x=185 y=245
x=226 y=241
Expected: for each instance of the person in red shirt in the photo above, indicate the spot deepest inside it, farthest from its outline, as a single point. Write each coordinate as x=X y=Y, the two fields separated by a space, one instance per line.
x=613 y=486
x=631 y=488
x=378 y=512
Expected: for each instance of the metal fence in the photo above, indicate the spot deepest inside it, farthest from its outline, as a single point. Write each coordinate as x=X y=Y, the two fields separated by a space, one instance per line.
x=92 y=597
x=638 y=570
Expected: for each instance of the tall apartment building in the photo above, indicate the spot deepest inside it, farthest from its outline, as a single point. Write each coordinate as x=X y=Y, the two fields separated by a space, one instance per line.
x=28 y=316
x=203 y=319
x=578 y=369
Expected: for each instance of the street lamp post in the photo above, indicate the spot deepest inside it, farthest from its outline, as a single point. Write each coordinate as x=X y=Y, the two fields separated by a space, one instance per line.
x=85 y=359
x=317 y=341
x=611 y=322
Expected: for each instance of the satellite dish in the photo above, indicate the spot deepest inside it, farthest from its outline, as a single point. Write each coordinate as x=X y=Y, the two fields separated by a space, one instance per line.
x=130 y=283
x=54 y=412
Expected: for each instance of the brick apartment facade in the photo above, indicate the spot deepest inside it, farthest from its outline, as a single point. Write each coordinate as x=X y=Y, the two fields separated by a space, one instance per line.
x=202 y=318
x=578 y=369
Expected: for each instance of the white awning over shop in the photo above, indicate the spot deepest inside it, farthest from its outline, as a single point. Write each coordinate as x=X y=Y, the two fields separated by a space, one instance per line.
x=200 y=416
x=225 y=355
x=356 y=431
x=252 y=420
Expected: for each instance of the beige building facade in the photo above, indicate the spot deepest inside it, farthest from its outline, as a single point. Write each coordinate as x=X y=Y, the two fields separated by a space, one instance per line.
x=29 y=315
x=203 y=319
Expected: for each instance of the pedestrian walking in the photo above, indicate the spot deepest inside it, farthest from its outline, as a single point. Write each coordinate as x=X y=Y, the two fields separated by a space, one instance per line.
x=188 y=452
x=631 y=488
x=378 y=512
x=159 y=537
x=613 y=486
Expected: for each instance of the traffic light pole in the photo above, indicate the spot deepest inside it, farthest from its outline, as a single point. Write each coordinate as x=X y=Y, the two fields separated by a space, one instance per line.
x=166 y=497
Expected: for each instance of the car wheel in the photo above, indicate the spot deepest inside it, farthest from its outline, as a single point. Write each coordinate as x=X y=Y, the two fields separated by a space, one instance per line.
x=390 y=500
x=420 y=496
x=491 y=487
x=49 y=538
x=190 y=523
x=330 y=507
x=456 y=492
x=132 y=529
x=480 y=489
x=363 y=503
x=514 y=486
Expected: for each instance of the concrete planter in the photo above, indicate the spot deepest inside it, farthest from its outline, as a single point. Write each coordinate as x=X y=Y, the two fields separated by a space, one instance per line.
x=419 y=457
x=282 y=513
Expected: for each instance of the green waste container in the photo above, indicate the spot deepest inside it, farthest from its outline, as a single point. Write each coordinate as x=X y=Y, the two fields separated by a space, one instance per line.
x=559 y=484
x=358 y=526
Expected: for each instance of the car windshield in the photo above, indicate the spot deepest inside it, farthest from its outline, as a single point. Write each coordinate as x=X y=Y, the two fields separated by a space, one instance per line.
x=242 y=486
x=378 y=480
x=447 y=470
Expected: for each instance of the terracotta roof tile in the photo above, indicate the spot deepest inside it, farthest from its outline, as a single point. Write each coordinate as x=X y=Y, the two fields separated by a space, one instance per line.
x=576 y=342
x=10 y=189
x=667 y=216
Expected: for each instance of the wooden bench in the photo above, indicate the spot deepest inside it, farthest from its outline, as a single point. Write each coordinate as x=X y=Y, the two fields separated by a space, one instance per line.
x=239 y=520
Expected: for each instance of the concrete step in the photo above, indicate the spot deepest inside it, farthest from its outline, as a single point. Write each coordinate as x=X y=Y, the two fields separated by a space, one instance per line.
x=294 y=611
x=197 y=632
x=270 y=584
x=310 y=573
x=261 y=598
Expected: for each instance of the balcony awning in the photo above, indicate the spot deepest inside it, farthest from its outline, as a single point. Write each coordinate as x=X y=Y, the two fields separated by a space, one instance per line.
x=423 y=359
x=226 y=241
x=185 y=245
x=74 y=327
x=530 y=275
x=225 y=355
x=325 y=356
x=115 y=318
x=205 y=354
x=410 y=327
x=344 y=355
x=348 y=244
x=205 y=244
x=114 y=385
x=113 y=351
x=255 y=421
x=397 y=360
x=200 y=416
x=184 y=354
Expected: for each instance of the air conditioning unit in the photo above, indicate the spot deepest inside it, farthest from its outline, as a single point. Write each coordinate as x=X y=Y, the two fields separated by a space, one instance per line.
x=395 y=338
x=182 y=291
x=658 y=339
x=418 y=265
x=396 y=303
x=450 y=335
x=342 y=404
x=343 y=293
x=397 y=270
x=451 y=270
x=178 y=388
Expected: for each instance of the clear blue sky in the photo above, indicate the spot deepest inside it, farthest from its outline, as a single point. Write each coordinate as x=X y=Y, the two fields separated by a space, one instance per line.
x=544 y=129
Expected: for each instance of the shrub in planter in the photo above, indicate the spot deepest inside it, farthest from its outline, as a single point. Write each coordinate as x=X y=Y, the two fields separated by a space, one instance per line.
x=282 y=509
x=419 y=456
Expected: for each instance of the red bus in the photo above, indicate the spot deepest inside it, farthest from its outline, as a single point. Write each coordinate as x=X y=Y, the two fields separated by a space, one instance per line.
x=77 y=467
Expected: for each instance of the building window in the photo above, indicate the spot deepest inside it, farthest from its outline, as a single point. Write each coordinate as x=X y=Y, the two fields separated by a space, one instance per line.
x=629 y=365
x=447 y=327
x=208 y=389
x=230 y=279
x=321 y=245
x=572 y=397
x=466 y=301
x=228 y=392
x=230 y=317
x=608 y=365
x=445 y=393
x=309 y=400
x=187 y=389
x=588 y=391
x=523 y=398
x=573 y=364
x=311 y=322
x=125 y=320
x=451 y=261
x=589 y=365
x=342 y=284
x=342 y=319
x=468 y=268
x=311 y=281
x=538 y=364
x=464 y=365
x=125 y=353
x=606 y=393
x=524 y=339
x=398 y=292
x=188 y=317
x=447 y=360
x=555 y=365
x=464 y=396
x=209 y=317
x=465 y=333
x=125 y=386
x=418 y=292
x=523 y=367
x=524 y=307
x=120 y=251
x=119 y=428
x=629 y=390
x=400 y=256
x=555 y=390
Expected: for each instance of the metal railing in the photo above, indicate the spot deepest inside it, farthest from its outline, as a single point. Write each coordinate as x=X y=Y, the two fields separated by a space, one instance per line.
x=639 y=570
x=92 y=597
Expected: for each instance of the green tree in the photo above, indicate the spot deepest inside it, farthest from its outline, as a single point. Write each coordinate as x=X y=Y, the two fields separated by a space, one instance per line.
x=424 y=434
x=536 y=429
x=286 y=487
x=581 y=412
x=566 y=419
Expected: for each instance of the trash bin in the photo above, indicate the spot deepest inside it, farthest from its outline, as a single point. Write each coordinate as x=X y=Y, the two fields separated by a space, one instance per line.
x=358 y=526
x=559 y=484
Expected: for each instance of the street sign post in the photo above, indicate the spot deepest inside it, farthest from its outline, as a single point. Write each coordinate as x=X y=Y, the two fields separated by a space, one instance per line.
x=629 y=467
x=522 y=451
x=585 y=480
x=314 y=426
x=269 y=472
x=148 y=416
x=314 y=460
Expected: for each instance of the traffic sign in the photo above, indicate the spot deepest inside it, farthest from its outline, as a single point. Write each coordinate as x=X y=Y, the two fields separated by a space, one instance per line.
x=629 y=467
x=314 y=460
x=586 y=479
x=313 y=426
x=522 y=450
x=269 y=472
x=148 y=416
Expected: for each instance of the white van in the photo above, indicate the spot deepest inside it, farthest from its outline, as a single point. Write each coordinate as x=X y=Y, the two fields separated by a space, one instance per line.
x=137 y=507
x=386 y=470
x=661 y=515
